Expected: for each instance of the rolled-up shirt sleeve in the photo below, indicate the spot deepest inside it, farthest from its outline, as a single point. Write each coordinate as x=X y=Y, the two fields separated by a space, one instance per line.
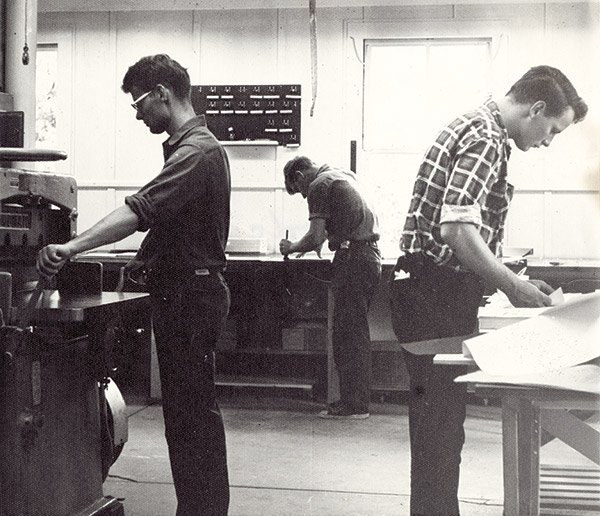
x=181 y=180
x=471 y=179
x=467 y=214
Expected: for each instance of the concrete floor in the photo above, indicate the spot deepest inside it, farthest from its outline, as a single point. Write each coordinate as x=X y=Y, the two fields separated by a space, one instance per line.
x=285 y=461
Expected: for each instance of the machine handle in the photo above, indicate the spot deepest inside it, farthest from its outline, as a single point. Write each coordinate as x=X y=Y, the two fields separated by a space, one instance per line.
x=20 y=154
x=121 y=283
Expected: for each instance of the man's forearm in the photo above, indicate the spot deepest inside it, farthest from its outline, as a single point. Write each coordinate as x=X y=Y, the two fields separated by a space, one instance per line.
x=313 y=239
x=117 y=225
x=471 y=251
x=306 y=244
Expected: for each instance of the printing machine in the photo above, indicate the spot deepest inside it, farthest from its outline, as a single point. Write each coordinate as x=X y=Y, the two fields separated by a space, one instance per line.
x=62 y=420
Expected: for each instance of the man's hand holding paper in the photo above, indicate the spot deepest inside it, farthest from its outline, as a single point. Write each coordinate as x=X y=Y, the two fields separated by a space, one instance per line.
x=529 y=293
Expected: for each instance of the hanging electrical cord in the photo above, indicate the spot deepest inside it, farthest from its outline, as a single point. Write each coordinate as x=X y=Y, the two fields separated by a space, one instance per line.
x=25 y=56
x=312 y=8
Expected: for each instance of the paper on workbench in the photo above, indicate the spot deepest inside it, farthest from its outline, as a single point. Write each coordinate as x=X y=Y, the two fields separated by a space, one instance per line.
x=557 y=338
x=499 y=311
x=557 y=297
x=499 y=303
x=583 y=378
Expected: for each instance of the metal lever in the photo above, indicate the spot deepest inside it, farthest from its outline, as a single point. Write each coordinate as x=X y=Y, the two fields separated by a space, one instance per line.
x=121 y=283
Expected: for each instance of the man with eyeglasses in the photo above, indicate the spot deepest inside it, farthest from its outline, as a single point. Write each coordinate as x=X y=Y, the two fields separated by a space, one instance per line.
x=186 y=211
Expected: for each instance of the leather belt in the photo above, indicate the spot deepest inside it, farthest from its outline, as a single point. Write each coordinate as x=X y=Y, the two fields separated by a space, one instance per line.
x=370 y=243
x=183 y=273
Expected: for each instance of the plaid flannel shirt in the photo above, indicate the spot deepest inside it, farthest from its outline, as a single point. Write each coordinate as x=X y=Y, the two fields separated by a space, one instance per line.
x=463 y=178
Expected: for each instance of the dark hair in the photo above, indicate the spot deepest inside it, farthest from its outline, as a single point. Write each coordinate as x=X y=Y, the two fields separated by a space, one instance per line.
x=150 y=71
x=297 y=164
x=552 y=86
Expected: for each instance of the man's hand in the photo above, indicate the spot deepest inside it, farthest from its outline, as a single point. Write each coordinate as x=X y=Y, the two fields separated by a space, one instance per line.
x=51 y=259
x=316 y=250
x=311 y=241
x=533 y=293
x=466 y=242
x=541 y=285
x=285 y=246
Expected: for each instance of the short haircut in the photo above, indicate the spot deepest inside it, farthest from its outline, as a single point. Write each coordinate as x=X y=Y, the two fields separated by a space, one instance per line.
x=151 y=71
x=297 y=164
x=552 y=86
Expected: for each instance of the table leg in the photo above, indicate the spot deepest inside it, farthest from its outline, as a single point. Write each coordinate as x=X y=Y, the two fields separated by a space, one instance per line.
x=333 y=381
x=528 y=442
x=510 y=456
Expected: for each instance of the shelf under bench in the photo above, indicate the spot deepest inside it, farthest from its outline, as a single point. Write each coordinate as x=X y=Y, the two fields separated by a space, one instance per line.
x=282 y=382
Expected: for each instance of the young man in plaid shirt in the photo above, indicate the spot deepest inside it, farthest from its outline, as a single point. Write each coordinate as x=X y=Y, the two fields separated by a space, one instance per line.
x=450 y=241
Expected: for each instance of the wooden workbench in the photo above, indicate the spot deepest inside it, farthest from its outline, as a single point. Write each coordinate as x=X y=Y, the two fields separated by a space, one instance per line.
x=252 y=356
x=547 y=401
x=530 y=489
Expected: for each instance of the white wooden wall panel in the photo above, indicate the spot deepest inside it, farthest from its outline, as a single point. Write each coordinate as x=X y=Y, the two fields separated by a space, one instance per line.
x=526 y=224
x=138 y=156
x=238 y=47
x=110 y=153
x=577 y=214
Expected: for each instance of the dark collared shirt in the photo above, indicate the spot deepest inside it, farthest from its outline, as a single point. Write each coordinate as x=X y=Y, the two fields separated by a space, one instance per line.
x=462 y=178
x=186 y=208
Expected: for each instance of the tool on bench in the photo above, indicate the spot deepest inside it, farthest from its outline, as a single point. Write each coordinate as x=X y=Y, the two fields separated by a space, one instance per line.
x=287 y=234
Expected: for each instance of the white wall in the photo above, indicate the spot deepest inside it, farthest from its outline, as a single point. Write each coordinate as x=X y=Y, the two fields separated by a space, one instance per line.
x=557 y=205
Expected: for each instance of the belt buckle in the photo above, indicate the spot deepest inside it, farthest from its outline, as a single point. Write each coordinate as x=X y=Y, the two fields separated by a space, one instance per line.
x=201 y=272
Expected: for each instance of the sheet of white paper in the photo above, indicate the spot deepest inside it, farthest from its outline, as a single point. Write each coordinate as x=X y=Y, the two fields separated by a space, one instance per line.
x=499 y=312
x=558 y=298
x=559 y=337
x=584 y=378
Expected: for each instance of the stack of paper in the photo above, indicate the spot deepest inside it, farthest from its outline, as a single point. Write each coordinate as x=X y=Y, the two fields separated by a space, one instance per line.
x=556 y=348
x=499 y=312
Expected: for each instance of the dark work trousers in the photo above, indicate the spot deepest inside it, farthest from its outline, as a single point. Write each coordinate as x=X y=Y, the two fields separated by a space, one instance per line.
x=188 y=312
x=356 y=274
x=435 y=302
